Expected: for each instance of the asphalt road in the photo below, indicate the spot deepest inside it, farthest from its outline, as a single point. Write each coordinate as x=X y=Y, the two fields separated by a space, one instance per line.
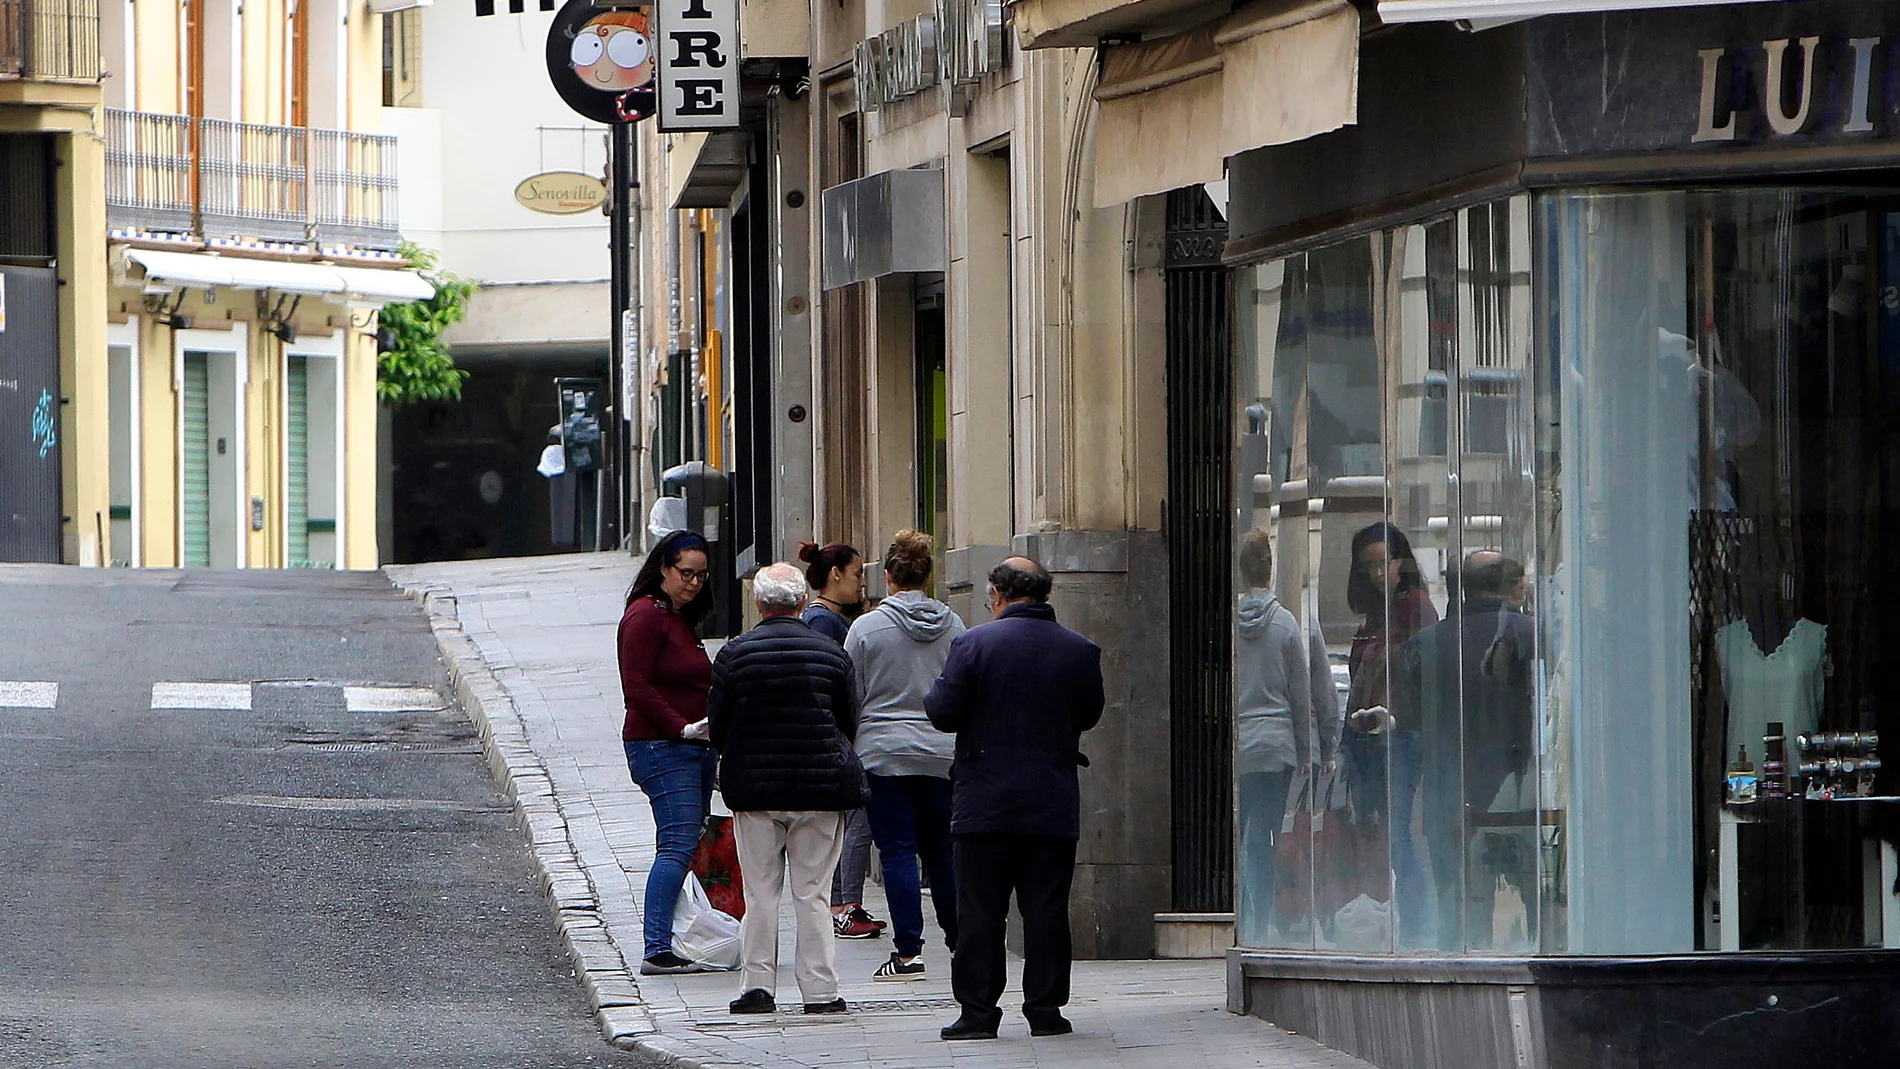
x=293 y=885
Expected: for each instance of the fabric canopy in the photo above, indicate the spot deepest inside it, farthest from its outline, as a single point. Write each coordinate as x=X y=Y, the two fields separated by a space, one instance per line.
x=205 y=269
x=1490 y=11
x=1173 y=110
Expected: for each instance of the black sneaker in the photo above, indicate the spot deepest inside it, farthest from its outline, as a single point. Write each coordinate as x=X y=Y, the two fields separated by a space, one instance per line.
x=757 y=1000
x=668 y=963
x=836 y=1005
x=899 y=968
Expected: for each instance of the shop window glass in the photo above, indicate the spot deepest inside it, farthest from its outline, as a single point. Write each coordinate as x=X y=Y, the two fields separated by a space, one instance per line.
x=1740 y=351
x=1399 y=798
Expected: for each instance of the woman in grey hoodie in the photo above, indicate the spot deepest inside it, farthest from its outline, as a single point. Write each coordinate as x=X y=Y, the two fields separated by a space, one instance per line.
x=898 y=649
x=1285 y=706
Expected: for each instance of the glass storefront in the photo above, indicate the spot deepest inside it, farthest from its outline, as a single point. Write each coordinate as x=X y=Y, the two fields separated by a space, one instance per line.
x=1557 y=579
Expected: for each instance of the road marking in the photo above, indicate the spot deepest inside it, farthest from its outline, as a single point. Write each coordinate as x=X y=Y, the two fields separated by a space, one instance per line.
x=233 y=697
x=391 y=699
x=357 y=805
x=20 y=695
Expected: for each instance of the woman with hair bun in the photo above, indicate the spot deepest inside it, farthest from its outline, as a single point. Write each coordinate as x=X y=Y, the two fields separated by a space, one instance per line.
x=835 y=572
x=897 y=651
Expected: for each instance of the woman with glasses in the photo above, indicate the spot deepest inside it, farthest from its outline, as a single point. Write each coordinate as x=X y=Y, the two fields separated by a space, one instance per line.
x=665 y=675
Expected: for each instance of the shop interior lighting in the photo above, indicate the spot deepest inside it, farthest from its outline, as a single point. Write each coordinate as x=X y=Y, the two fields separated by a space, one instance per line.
x=1483 y=13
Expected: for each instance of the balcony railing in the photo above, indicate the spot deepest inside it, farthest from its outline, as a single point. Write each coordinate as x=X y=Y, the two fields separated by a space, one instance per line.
x=56 y=39
x=247 y=181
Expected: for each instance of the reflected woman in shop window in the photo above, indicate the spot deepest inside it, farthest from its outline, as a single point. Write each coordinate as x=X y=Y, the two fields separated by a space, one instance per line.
x=1387 y=588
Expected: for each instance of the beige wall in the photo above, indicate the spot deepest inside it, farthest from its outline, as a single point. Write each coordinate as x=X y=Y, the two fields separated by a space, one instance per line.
x=82 y=317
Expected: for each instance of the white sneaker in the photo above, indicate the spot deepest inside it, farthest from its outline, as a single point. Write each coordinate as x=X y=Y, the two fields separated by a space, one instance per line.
x=899 y=969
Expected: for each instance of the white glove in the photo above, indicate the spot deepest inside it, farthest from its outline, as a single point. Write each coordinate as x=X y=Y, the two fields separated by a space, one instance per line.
x=698 y=729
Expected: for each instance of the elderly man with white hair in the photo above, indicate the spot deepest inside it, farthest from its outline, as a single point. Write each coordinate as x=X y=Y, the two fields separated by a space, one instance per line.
x=783 y=714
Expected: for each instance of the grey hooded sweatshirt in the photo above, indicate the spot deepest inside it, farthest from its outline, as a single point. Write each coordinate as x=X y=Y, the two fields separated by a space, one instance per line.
x=898 y=649
x=1283 y=690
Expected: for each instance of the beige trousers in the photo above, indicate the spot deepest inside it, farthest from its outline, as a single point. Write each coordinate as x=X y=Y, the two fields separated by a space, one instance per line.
x=808 y=845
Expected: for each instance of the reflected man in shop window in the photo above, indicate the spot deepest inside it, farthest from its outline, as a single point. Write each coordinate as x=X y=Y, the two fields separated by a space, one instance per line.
x=1469 y=678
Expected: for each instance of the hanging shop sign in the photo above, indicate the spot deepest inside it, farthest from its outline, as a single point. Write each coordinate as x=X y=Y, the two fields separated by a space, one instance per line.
x=561 y=193
x=952 y=49
x=601 y=60
x=698 y=64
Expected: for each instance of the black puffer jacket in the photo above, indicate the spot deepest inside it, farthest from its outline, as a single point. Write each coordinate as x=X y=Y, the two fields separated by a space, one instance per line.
x=783 y=714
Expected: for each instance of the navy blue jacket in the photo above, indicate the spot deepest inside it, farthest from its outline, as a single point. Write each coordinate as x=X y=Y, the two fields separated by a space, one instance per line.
x=1018 y=693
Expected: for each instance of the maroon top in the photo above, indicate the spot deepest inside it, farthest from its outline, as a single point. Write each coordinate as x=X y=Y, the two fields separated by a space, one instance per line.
x=664 y=671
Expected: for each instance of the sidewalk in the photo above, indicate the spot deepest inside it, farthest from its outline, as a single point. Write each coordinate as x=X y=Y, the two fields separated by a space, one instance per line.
x=530 y=644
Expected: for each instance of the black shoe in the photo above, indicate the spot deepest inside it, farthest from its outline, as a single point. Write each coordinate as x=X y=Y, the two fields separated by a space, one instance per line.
x=756 y=1000
x=836 y=1005
x=1057 y=1025
x=967 y=1027
x=668 y=963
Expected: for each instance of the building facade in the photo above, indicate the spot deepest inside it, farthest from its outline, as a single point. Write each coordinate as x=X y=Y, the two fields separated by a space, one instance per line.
x=507 y=184
x=224 y=233
x=1304 y=303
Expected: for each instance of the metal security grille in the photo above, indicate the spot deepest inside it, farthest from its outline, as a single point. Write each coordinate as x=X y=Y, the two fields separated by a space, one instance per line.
x=196 y=474
x=297 y=462
x=1200 y=471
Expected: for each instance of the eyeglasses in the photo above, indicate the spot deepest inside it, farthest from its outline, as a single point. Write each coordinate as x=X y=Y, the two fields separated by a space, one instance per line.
x=689 y=575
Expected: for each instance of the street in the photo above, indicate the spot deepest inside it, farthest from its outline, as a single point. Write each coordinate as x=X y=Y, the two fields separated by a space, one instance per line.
x=239 y=826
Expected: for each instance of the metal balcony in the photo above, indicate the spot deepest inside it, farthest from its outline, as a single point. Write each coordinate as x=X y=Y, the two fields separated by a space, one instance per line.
x=218 y=179
x=50 y=39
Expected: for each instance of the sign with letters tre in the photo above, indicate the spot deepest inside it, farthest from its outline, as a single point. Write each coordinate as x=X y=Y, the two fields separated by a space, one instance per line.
x=698 y=64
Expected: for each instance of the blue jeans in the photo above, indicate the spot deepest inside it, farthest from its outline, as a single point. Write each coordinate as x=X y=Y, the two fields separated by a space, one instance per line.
x=910 y=819
x=1408 y=875
x=678 y=780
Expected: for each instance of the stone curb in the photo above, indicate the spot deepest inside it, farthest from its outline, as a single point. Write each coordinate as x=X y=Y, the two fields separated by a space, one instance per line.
x=598 y=963
x=612 y=989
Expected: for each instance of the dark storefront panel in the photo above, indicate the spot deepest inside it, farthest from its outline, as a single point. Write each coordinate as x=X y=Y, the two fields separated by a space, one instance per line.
x=449 y=459
x=1199 y=617
x=31 y=429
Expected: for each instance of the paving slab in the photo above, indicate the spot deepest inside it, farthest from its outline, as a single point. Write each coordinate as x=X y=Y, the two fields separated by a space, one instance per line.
x=530 y=644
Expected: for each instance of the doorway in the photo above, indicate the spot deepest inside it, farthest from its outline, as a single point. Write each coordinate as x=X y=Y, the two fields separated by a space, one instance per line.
x=933 y=410
x=211 y=499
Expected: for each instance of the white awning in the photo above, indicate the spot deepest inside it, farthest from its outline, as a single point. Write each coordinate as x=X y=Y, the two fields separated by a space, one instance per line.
x=1491 y=11
x=1172 y=110
x=210 y=269
x=384 y=285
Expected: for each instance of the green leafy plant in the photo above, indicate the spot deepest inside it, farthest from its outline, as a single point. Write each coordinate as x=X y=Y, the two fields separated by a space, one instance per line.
x=418 y=365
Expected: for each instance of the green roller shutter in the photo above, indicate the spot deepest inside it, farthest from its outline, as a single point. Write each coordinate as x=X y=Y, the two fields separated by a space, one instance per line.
x=196 y=506
x=297 y=466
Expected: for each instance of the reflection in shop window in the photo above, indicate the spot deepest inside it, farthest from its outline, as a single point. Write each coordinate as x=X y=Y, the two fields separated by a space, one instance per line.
x=1384 y=453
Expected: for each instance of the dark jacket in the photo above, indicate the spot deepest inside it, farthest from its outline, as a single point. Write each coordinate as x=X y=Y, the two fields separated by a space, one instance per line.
x=783 y=713
x=1469 y=682
x=664 y=672
x=1018 y=693
x=826 y=621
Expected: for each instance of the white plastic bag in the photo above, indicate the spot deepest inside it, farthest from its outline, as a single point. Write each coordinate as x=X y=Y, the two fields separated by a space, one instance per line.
x=701 y=933
x=1363 y=924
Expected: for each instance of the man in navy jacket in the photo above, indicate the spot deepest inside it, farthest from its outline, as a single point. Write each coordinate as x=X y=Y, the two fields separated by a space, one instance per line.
x=1018 y=692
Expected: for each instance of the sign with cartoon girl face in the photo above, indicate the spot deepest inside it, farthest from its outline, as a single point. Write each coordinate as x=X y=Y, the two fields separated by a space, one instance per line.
x=601 y=60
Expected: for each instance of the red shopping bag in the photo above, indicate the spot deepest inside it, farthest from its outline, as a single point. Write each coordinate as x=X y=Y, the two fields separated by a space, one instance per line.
x=716 y=863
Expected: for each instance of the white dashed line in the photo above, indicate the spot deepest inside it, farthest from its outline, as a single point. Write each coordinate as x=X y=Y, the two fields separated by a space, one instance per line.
x=19 y=695
x=233 y=697
x=391 y=699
